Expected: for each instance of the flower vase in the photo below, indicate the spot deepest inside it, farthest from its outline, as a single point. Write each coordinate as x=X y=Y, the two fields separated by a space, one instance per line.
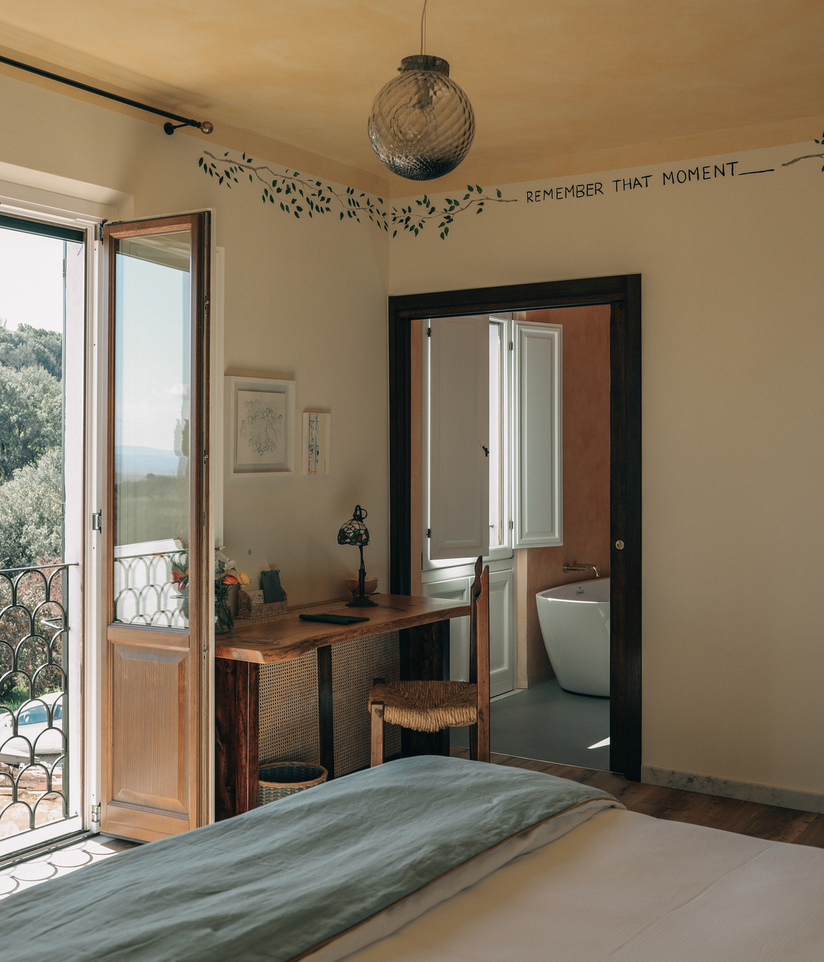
x=224 y=619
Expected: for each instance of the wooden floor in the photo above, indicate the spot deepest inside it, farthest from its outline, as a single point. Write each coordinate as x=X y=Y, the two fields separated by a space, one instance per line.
x=729 y=814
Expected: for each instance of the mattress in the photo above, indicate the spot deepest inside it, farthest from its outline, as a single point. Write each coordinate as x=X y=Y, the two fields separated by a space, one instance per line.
x=627 y=887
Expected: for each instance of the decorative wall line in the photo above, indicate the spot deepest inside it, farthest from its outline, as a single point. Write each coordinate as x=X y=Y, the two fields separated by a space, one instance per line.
x=297 y=195
x=300 y=195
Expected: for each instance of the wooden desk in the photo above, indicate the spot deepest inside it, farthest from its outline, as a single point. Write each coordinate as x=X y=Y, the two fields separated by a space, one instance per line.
x=423 y=627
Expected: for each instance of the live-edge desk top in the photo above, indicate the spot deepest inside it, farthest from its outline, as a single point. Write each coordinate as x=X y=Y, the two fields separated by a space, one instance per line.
x=289 y=638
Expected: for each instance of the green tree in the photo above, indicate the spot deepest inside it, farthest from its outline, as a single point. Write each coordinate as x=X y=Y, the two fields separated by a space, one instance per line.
x=31 y=513
x=31 y=412
x=31 y=347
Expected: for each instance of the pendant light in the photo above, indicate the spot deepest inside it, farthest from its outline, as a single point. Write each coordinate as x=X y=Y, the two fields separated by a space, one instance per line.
x=422 y=123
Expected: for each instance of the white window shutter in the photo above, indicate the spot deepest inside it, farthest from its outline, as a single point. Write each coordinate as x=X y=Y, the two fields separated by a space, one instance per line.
x=538 y=436
x=459 y=438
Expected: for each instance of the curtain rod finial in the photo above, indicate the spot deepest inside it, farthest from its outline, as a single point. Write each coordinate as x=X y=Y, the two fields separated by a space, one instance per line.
x=205 y=126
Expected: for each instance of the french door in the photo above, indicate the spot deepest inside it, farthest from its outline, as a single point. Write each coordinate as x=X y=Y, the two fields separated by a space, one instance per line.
x=155 y=525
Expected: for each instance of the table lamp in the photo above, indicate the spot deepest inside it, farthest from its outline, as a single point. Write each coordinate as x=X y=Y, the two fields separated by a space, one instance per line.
x=355 y=532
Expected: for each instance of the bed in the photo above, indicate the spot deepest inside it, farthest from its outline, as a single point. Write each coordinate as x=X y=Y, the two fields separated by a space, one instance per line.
x=436 y=859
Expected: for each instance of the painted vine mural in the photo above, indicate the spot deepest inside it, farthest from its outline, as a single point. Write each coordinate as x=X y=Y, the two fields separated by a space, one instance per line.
x=300 y=195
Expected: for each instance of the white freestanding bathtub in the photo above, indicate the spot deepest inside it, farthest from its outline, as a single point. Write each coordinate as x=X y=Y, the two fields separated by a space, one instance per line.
x=574 y=621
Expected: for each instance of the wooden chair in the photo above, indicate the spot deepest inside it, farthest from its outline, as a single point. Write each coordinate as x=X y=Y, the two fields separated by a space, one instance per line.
x=429 y=706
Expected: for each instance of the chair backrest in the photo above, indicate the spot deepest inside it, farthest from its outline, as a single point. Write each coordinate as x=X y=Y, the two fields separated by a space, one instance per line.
x=479 y=742
x=479 y=635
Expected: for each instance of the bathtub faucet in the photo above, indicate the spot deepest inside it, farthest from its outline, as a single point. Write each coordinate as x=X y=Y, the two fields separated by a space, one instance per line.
x=581 y=567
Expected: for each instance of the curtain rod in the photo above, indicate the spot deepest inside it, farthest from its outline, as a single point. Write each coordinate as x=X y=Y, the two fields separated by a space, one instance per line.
x=202 y=125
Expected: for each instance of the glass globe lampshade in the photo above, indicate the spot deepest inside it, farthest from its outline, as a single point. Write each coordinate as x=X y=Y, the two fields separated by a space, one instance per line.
x=422 y=123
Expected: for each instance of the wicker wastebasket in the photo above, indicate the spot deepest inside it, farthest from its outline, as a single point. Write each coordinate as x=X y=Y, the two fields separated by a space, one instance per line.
x=276 y=780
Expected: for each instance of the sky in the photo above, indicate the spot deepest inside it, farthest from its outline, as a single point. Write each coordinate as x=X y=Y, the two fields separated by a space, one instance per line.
x=31 y=280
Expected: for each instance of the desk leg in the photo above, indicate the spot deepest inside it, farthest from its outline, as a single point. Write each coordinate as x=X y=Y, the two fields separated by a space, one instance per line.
x=237 y=735
x=424 y=656
x=325 y=715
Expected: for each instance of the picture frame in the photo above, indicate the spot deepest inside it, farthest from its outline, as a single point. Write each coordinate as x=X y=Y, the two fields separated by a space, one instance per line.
x=314 y=452
x=260 y=428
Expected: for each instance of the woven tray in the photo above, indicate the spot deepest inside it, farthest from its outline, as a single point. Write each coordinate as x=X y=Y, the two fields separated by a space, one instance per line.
x=276 y=780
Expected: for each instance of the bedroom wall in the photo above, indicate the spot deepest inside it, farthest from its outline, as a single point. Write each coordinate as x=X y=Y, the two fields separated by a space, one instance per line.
x=732 y=398
x=733 y=451
x=304 y=300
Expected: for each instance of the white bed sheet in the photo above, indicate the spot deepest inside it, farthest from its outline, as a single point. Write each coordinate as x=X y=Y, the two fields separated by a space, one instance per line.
x=626 y=887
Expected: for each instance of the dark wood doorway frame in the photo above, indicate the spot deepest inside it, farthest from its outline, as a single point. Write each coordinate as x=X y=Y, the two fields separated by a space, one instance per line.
x=623 y=295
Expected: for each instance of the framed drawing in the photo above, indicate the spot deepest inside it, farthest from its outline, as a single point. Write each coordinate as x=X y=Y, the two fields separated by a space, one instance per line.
x=314 y=452
x=261 y=425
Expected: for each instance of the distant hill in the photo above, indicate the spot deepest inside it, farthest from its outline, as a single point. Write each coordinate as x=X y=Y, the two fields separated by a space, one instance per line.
x=136 y=462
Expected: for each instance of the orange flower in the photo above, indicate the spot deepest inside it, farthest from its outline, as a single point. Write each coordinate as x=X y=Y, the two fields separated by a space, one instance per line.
x=229 y=580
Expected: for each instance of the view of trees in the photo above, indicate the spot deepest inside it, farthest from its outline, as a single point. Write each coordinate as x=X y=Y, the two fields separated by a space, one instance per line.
x=31 y=475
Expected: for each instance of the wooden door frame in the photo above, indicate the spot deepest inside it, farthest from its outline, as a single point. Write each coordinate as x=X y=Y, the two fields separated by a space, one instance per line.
x=623 y=295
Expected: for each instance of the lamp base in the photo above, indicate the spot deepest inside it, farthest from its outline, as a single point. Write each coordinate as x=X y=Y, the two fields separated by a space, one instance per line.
x=361 y=601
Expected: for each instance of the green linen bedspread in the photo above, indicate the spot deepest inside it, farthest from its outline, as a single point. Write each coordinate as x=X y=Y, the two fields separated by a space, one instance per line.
x=281 y=879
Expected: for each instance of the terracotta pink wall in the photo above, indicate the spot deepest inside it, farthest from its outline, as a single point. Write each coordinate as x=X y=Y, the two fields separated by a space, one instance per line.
x=586 y=469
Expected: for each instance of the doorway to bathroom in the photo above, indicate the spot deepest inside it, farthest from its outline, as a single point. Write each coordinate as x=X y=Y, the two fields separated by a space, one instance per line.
x=515 y=467
x=619 y=539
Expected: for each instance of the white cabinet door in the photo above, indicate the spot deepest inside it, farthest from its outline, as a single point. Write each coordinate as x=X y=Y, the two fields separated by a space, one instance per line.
x=501 y=631
x=455 y=590
x=501 y=627
x=459 y=437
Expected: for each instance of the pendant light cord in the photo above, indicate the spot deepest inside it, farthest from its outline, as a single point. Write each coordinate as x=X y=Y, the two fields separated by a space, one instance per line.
x=423 y=29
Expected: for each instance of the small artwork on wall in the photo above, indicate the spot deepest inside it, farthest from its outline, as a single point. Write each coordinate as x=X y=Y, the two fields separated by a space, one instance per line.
x=316 y=436
x=262 y=425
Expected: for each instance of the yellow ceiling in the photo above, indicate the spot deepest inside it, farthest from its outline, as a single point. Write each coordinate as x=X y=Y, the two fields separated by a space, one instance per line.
x=558 y=86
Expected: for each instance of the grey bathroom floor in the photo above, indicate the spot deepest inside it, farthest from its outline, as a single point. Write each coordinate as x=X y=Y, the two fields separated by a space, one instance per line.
x=550 y=724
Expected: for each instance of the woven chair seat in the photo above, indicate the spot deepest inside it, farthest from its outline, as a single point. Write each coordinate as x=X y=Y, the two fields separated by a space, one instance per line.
x=427 y=706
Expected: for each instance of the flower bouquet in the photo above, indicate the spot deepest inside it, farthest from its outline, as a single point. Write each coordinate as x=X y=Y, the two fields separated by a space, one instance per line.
x=226 y=576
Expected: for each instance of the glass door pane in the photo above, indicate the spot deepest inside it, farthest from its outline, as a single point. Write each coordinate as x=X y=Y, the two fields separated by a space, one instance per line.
x=152 y=379
x=42 y=336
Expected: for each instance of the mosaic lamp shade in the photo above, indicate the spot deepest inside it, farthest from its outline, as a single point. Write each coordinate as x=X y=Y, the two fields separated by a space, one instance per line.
x=422 y=123
x=355 y=532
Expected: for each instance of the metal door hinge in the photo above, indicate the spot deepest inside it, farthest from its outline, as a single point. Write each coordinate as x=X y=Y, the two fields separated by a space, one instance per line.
x=428 y=532
x=429 y=332
x=96 y=813
x=97 y=521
